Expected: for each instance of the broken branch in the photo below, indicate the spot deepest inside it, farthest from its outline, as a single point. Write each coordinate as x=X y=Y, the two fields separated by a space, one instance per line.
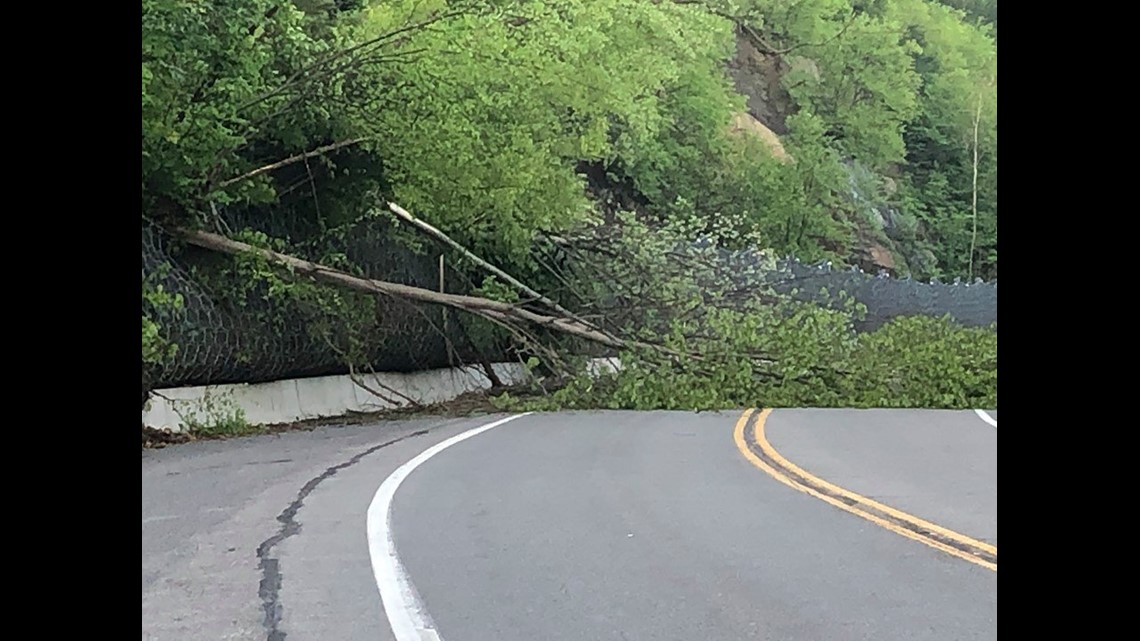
x=288 y=161
x=438 y=235
x=473 y=304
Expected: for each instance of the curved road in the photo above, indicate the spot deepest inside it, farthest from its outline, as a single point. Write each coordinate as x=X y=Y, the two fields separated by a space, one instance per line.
x=787 y=525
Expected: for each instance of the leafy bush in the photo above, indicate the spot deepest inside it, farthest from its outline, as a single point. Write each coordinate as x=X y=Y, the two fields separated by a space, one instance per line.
x=918 y=362
x=921 y=361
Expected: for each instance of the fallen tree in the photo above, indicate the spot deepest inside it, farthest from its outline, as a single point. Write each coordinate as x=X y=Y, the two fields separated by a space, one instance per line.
x=693 y=326
x=513 y=317
x=490 y=309
x=692 y=329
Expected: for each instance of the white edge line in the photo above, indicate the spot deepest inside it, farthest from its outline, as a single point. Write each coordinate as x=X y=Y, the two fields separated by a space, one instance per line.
x=406 y=614
x=982 y=414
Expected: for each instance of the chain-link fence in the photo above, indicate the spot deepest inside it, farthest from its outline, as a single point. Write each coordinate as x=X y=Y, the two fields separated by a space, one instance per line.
x=971 y=304
x=222 y=342
x=261 y=338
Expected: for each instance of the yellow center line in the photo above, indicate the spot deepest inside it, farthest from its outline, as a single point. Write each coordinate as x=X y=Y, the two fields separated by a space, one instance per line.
x=859 y=505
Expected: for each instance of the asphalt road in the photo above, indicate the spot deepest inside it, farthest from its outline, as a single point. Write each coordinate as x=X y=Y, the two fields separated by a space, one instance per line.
x=938 y=465
x=610 y=525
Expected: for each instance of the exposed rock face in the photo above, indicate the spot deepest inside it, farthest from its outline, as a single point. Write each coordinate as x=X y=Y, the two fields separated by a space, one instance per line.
x=880 y=257
x=746 y=123
x=759 y=77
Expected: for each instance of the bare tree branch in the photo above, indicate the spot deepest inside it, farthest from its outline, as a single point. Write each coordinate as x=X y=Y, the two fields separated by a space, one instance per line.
x=343 y=53
x=292 y=159
x=974 y=205
x=473 y=304
x=438 y=235
x=355 y=377
x=359 y=381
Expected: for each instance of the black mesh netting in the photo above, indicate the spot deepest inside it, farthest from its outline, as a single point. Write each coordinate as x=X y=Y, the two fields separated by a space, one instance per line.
x=218 y=342
x=970 y=304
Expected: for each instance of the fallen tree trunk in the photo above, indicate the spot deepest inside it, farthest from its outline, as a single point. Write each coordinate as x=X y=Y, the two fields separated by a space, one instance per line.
x=511 y=316
x=497 y=310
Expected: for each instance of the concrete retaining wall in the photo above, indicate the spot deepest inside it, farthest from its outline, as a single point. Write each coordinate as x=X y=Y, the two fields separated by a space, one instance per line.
x=308 y=398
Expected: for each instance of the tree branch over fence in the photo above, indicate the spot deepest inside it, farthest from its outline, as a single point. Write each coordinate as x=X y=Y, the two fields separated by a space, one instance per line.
x=438 y=235
x=482 y=306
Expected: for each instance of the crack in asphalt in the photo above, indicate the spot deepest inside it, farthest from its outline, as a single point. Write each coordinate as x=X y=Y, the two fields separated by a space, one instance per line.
x=270 y=587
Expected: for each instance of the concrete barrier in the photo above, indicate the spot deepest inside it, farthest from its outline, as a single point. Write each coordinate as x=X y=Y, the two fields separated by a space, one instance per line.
x=300 y=399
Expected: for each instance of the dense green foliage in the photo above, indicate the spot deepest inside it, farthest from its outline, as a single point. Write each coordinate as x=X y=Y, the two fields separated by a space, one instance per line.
x=916 y=362
x=477 y=114
x=759 y=349
x=901 y=85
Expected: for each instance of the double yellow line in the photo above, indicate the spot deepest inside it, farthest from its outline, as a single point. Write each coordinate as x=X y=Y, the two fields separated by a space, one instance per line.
x=761 y=454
